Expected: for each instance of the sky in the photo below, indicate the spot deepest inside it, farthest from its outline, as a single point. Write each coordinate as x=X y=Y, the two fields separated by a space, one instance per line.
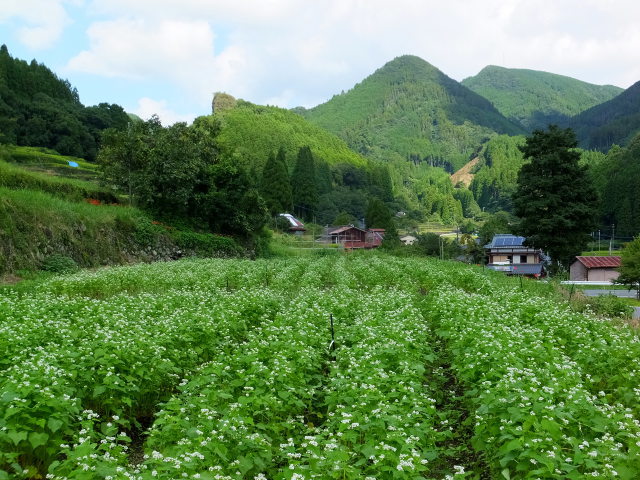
x=168 y=57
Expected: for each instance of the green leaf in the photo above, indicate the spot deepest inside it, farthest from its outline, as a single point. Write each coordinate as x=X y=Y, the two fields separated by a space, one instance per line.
x=245 y=464
x=17 y=437
x=37 y=439
x=54 y=424
x=506 y=474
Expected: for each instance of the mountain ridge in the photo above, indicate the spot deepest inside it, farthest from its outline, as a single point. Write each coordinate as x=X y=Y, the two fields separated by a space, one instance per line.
x=616 y=121
x=414 y=111
x=535 y=98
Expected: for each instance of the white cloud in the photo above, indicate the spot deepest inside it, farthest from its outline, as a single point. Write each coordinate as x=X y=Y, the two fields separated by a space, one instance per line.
x=176 y=51
x=41 y=22
x=295 y=52
x=147 y=107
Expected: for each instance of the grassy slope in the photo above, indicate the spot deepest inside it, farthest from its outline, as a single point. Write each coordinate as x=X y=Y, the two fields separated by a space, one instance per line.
x=252 y=132
x=534 y=98
x=44 y=214
x=408 y=107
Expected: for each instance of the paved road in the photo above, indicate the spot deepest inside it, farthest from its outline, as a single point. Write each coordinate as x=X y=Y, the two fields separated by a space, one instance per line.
x=619 y=293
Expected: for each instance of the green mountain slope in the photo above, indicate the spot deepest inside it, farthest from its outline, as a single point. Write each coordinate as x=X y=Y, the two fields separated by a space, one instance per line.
x=535 y=99
x=409 y=109
x=612 y=122
x=617 y=178
x=251 y=132
x=496 y=173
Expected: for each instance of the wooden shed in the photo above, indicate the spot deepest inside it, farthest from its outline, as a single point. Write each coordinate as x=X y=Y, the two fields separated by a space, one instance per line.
x=348 y=233
x=595 y=269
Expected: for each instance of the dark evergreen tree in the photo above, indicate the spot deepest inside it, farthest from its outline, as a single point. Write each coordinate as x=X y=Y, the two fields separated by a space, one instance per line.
x=555 y=199
x=379 y=216
x=276 y=186
x=303 y=184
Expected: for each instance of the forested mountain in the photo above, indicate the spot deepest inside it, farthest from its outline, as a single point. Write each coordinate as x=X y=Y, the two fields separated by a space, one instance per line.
x=39 y=109
x=339 y=180
x=496 y=173
x=614 y=122
x=617 y=177
x=251 y=132
x=344 y=179
x=410 y=110
x=536 y=99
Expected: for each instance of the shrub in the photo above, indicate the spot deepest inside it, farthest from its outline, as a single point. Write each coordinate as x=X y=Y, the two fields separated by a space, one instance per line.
x=611 y=306
x=58 y=263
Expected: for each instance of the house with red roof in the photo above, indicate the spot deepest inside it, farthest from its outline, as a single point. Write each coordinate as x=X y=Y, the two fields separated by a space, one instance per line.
x=595 y=269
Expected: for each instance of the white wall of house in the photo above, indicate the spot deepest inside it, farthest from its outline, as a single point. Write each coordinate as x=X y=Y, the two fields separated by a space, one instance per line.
x=515 y=258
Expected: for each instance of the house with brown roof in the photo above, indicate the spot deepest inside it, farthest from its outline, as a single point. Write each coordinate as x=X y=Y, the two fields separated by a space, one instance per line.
x=351 y=237
x=595 y=269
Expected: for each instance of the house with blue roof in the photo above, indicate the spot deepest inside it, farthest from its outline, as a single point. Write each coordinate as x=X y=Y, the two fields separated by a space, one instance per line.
x=507 y=253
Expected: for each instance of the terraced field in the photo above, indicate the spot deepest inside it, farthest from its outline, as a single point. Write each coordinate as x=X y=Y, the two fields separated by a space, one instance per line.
x=230 y=369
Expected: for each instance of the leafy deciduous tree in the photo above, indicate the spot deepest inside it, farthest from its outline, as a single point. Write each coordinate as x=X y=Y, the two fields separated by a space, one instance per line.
x=630 y=266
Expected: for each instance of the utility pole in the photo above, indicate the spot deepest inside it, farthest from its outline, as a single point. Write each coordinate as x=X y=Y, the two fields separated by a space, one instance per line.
x=598 y=240
x=613 y=233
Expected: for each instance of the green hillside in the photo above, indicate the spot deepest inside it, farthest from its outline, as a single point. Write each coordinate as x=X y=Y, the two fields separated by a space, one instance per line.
x=50 y=217
x=614 y=122
x=535 y=99
x=409 y=109
x=345 y=179
x=251 y=132
x=617 y=177
x=496 y=173
x=39 y=109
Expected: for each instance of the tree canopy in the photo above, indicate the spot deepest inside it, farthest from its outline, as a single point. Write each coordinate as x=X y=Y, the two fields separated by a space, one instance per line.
x=39 y=109
x=275 y=186
x=178 y=174
x=555 y=199
x=303 y=184
x=630 y=266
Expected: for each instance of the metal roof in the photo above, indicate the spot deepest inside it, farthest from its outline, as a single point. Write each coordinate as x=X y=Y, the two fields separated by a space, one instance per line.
x=344 y=229
x=293 y=221
x=600 y=262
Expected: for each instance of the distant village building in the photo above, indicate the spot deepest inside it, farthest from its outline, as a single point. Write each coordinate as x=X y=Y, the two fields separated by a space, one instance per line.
x=507 y=253
x=594 y=269
x=295 y=225
x=351 y=237
x=408 y=239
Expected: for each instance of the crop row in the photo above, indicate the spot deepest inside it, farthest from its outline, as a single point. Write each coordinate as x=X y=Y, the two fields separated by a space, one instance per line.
x=114 y=358
x=286 y=405
x=229 y=360
x=534 y=417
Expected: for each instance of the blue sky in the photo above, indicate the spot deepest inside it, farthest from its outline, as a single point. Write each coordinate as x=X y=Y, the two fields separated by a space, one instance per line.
x=169 y=57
